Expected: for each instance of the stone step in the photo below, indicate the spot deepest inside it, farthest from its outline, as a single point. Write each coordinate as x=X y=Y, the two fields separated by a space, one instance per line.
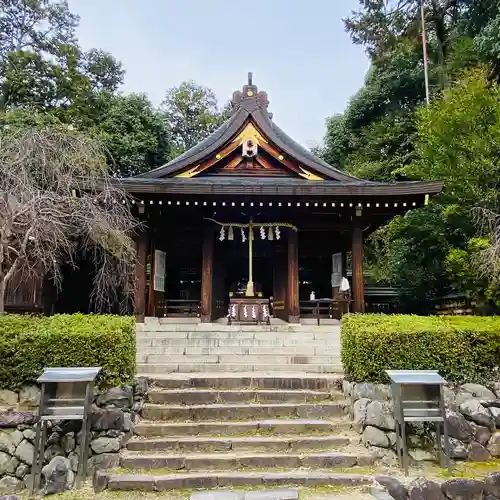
x=244 y=411
x=324 y=322
x=241 y=329
x=241 y=343
x=206 y=480
x=185 y=333
x=189 y=325
x=224 y=340
x=252 y=380
x=169 y=321
x=231 y=461
x=152 y=369
x=269 y=343
x=320 y=350
x=238 y=444
x=211 y=396
x=275 y=359
x=256 y=427
x=239 y=335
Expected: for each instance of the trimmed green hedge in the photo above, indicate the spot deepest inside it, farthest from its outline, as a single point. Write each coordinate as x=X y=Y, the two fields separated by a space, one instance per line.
x=462 y=348
x=28 y=344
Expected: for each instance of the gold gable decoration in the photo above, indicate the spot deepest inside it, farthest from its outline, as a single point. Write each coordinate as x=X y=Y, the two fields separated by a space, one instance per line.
x=249 y=132
x=309 y=175
x=189 y=173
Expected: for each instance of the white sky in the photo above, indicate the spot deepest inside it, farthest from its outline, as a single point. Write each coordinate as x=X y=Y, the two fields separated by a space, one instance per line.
x=297 y=50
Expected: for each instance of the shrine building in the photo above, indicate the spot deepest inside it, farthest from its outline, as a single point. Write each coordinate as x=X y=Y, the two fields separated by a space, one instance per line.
x=249 y=224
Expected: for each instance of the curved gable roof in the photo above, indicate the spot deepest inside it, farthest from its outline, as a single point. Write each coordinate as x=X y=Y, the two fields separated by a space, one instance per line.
x=298 y=152
x=206 y=147
x=250 y=104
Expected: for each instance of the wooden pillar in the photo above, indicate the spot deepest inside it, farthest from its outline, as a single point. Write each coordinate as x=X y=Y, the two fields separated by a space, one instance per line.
x=219 y=308
x=293 y=277
x=142 y=242
x=151 y=302
x=207 y=275
x=358 y=286
x=280 y=282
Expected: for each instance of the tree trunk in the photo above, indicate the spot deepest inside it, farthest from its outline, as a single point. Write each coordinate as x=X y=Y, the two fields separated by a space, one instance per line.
x=438 y=15
x=3 y=288
x=4 y=96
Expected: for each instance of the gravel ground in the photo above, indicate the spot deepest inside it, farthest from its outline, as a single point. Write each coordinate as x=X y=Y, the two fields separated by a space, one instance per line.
x=86 y=493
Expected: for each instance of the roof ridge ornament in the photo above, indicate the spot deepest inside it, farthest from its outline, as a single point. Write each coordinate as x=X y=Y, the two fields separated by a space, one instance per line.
x=249 y=99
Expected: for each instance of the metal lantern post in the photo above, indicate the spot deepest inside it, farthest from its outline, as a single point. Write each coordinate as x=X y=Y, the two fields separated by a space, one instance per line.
x=66 y=394
x=418 y=397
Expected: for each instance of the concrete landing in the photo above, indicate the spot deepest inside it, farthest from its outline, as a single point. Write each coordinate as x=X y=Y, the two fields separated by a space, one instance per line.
x=191 y=347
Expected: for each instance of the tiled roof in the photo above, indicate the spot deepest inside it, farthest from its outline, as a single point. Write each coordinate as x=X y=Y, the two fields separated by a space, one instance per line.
x=249 y=104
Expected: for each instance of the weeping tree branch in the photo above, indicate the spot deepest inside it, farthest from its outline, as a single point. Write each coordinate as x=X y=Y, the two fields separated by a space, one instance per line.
x=56 y=200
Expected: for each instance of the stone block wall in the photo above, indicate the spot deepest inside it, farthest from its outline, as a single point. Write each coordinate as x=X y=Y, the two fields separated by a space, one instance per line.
x=387 y=488
x=472 y=413
x=115 y=412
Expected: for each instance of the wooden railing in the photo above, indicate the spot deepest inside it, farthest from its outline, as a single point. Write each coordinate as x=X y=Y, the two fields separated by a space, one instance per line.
x=179 y=308
x=324 y=308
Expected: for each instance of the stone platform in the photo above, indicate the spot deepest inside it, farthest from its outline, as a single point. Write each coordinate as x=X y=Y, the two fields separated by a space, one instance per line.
x=166 y=346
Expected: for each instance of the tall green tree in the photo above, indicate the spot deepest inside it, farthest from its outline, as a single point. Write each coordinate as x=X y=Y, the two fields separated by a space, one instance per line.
x=102 y=69
x=34 y=37
x=388 y=133
x=380 y=24
x=336 y=144
x=41 y=63
x=459 y=141
x=487 y=43
x=133 y=132
x=435 y=249
x=374 y=137
x=410 y=253
x=191 y=113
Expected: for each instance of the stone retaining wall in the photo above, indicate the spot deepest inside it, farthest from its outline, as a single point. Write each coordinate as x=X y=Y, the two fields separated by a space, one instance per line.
x=424 y=489
x=114 y=415
x=473 y=416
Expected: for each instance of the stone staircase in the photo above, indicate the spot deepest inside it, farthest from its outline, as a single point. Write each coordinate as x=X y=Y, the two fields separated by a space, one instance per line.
x=166 y=346
x=235 y=430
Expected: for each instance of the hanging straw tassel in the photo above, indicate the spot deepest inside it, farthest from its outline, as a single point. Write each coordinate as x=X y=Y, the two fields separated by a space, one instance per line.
x=230 y=234
x=270 y=234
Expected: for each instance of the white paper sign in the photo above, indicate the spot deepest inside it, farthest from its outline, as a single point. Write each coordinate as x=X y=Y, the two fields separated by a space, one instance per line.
x=160 y=268
x=336 y=269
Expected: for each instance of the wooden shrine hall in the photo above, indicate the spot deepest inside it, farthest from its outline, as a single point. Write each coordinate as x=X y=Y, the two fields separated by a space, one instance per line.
x=249 y=225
